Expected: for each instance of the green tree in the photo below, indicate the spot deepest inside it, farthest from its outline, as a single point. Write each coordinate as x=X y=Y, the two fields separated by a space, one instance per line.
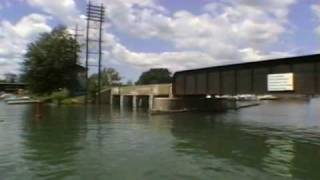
x=109 y=77
x=155 y=76
x=60 y=95
x=129 y=83
x=50 y=62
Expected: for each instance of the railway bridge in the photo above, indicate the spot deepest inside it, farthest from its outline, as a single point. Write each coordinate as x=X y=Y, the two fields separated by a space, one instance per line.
x=295 y=75
x=190 y=89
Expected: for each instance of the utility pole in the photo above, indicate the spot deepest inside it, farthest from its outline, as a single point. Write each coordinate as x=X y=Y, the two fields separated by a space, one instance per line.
x=76 y=47
x=87 y=58
x=76 y=36
x=94 y=14
x=100 y=50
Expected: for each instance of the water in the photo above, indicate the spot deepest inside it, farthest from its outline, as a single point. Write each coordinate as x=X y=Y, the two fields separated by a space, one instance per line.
x=277 y=140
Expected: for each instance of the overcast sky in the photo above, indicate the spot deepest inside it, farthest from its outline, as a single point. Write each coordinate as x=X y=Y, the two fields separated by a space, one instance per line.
x=174 y=34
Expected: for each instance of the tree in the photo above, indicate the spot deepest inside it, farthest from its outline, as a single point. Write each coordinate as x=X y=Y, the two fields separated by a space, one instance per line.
x=129 y=83
x=60 y=95
x=155 y=76
x=50 y=62
x=109 y=77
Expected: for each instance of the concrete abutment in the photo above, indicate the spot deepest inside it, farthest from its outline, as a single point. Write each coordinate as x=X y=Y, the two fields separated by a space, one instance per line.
x=159 y=99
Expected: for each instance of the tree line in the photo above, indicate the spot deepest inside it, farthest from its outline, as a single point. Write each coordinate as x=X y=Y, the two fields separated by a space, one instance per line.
x=50 y=64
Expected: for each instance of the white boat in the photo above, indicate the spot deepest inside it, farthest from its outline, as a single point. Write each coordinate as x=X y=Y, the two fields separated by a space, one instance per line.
x=5 y=96
x=14 y=98
x=246 y=97
x=8 y=98
x=28 y=101
x=267 y=97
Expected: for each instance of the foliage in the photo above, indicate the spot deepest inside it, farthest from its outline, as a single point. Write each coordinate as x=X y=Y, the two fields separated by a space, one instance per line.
x=155 y=76
x=109 y=77
x=60 y=95
x=50 y=62
x=92 y=87
x=73 y=100
x=129 y=83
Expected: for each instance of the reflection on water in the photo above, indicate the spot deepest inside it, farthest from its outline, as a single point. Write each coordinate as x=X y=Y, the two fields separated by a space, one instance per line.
x=281 y=153
x=51 y=142
x=277 y=140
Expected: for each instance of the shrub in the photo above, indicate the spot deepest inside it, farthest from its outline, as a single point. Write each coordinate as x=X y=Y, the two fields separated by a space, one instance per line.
x=59 y=96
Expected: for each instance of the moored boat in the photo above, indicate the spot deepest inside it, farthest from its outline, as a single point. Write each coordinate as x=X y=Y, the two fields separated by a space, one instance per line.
x=267 y=97
x=15 y=98
x=28 y=101
x=4 y=96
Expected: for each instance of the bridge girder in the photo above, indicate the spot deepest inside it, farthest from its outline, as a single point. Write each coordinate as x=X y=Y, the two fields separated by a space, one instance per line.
x=249 y=78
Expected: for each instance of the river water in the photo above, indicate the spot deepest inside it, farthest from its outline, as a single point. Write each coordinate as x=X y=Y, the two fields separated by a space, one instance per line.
x=276 y=140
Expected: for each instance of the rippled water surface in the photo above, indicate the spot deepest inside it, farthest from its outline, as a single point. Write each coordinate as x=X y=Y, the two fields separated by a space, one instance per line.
x=277 y=140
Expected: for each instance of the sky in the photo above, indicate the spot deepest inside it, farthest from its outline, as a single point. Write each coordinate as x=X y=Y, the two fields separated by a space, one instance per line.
x=174 y=34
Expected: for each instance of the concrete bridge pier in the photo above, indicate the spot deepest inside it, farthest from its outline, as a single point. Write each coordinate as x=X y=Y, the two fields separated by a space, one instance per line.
x=134 y=103
x=136 y=96
x=111 y=100
x=121 y=101
x=159 y=98
x=150 y=100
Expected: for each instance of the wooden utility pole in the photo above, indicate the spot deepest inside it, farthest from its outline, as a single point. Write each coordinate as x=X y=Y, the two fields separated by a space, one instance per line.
x=94 y=14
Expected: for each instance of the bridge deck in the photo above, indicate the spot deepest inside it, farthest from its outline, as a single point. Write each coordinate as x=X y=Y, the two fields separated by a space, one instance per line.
x=142 y=90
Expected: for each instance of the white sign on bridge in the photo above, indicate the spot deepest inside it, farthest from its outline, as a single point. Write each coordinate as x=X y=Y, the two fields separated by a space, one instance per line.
x=281 y=82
